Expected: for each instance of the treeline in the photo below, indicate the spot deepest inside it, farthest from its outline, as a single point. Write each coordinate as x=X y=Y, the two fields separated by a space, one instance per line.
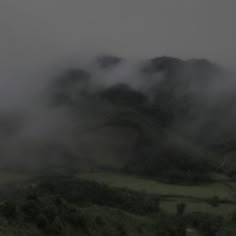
x=68 y=206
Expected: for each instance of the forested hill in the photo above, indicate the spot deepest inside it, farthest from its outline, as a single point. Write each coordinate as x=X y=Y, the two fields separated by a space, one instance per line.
x=160 y=114
x=161 y=117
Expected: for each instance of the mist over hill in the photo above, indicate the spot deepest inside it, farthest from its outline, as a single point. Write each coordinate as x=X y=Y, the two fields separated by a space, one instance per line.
x=152 y=116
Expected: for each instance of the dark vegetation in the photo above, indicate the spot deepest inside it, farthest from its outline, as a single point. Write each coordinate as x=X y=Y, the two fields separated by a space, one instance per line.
x=84 y=193
x=70 y=206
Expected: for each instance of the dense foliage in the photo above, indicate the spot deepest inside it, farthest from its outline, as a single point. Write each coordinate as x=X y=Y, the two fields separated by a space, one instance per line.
x=69 y=206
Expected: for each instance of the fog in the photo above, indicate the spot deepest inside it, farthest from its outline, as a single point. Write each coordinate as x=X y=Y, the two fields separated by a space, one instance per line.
x=36 y=35
x=36 y=30
x=39 y=39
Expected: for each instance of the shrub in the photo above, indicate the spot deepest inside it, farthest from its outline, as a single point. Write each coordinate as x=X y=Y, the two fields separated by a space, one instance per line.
x=30 y=209
x=56 y=226
x=180 y=207
x=42 y=221
x=214 y=201
x=9 y=210
x=234 y=217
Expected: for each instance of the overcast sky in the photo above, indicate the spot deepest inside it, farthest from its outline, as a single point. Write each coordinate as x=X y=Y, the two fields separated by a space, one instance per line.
x=35 y=31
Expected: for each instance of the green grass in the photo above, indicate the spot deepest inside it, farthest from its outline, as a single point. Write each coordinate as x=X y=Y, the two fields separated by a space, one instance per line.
x=222 y=209
x=202 y=191
x=194 y=195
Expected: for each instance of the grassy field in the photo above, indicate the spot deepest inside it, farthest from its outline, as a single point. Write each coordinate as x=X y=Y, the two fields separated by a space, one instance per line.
x=223 y=209
x=155 y=187
x=194 y=196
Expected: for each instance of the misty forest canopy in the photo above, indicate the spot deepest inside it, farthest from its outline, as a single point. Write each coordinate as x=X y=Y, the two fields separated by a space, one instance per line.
x=162 y=117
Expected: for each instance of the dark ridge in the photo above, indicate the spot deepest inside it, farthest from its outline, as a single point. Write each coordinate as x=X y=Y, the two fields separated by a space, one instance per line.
x=202 y=63
x=108 y=61
x=122 y=94
x=73 y=75
x=72 y=83
x=161 y=64
x=204 y=68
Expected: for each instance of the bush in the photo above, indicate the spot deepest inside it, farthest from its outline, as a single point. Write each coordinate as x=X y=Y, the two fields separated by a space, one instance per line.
x=57 y=226
x=234 y=217
x=30 y=209
x=74 y=217
x=206 y=223
x=50 y=212
x=214 y=201
x=9 y=210
x=180 y=207
x=42 y=222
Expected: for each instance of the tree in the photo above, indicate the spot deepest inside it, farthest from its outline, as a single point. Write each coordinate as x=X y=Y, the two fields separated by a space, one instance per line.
x=181 y=207
x=234 y=217
x=214 y=201
x=8 y=210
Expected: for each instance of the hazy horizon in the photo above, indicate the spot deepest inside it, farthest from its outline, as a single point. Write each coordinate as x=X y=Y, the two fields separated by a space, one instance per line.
x=38 y=32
